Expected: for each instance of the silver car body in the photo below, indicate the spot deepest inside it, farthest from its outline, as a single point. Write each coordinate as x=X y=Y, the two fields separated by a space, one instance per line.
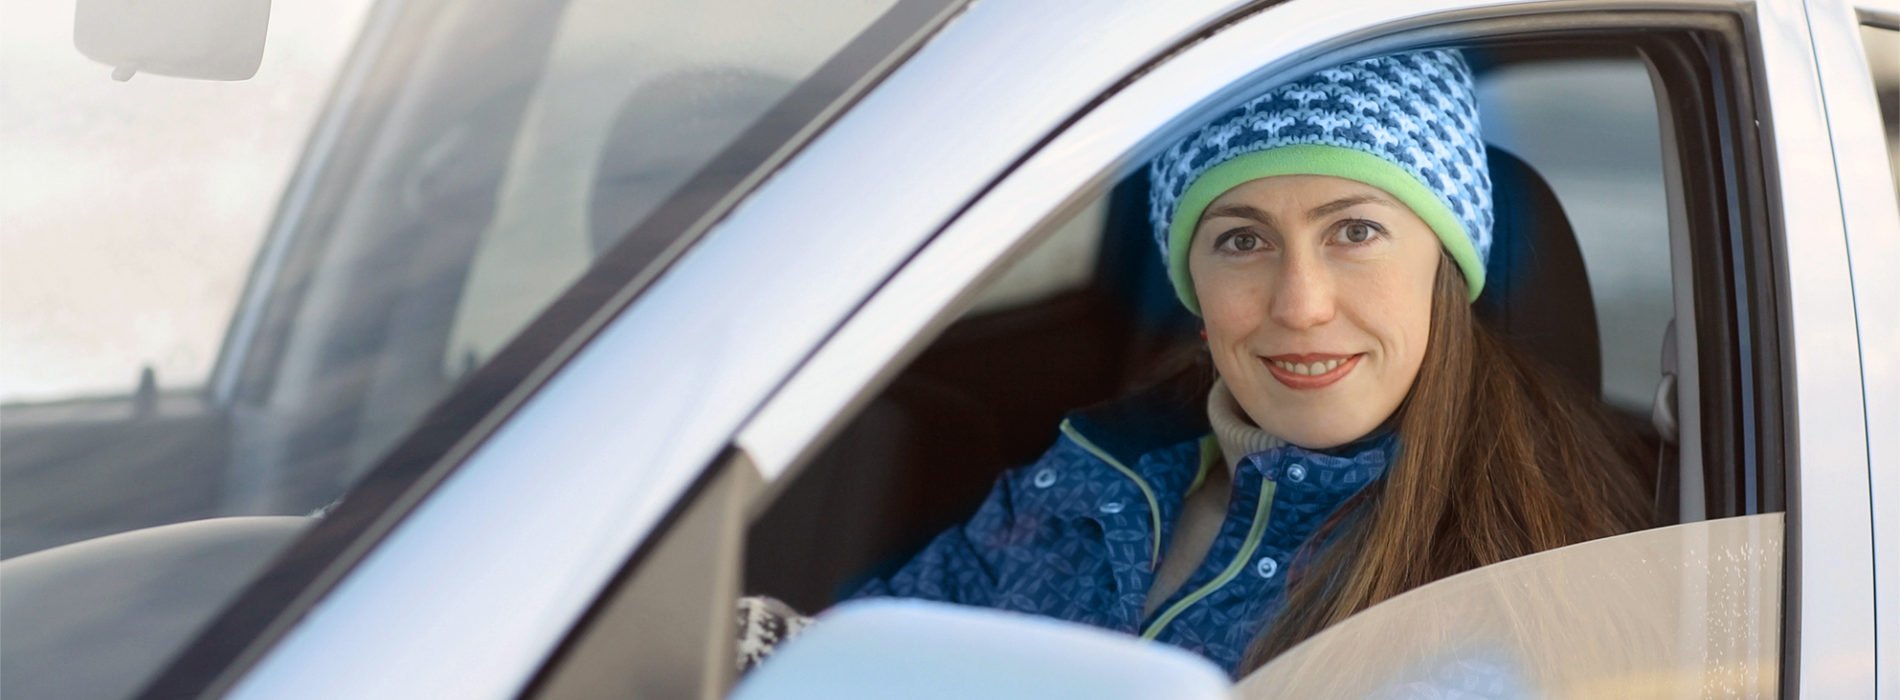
x=665 y=383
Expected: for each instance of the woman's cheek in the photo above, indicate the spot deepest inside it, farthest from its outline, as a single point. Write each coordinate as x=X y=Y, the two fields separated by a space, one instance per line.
x=1415 y=334
x=1231 y=305
x=1399 y=326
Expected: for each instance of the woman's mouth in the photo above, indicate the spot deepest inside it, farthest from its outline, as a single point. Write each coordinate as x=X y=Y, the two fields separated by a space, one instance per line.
x=1304 y=372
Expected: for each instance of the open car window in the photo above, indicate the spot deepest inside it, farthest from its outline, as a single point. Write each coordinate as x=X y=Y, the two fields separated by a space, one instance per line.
x=962 y=401
x=1083 y=314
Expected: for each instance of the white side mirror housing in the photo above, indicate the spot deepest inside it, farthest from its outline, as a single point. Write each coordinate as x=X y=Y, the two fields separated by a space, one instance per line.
x=885 y=648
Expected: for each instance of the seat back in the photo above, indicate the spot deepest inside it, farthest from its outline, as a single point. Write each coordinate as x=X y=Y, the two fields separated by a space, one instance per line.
x=1536 y=291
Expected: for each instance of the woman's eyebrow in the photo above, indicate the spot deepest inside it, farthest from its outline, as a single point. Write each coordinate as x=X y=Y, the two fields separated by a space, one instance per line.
x=1240 y=211
x=1244 y=211
x=1344 y=203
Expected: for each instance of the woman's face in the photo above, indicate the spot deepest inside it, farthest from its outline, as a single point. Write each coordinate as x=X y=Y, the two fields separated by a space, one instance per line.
x=1317 y=295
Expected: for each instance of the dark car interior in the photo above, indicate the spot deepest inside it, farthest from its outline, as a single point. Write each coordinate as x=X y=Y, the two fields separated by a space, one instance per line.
x=988 y=394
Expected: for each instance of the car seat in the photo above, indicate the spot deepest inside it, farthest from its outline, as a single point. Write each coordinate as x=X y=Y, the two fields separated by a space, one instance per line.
x=1536 y=291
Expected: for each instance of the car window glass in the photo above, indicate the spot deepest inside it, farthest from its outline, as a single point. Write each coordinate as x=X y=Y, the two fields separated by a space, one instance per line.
x=636 y=96
x=1883 y=61
x=505 y=203
x=1691 y=610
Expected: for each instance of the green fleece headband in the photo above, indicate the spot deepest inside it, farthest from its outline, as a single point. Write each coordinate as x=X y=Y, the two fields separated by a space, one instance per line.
x=1315 y=159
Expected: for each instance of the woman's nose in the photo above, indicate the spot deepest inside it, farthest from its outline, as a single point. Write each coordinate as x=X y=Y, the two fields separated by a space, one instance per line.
x=1303 y=296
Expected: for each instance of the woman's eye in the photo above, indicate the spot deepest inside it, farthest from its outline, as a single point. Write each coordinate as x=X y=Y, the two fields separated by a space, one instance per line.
x=1240 y=241
x=1356 y=232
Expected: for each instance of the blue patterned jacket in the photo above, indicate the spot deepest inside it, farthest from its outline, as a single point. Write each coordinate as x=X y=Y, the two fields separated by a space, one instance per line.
x=1079 y=533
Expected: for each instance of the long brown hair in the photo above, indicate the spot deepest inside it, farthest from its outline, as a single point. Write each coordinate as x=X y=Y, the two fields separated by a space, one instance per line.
x=1498 y=458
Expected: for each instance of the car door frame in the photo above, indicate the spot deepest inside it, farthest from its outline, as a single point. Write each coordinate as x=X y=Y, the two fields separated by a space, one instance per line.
x=1870 y=202
x=1829 y=632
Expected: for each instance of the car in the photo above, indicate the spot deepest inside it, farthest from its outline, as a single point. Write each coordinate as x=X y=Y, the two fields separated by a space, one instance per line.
x=578 y=320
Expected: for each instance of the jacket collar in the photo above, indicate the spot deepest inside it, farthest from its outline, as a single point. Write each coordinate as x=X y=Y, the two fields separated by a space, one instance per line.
x=1173 y=412
x=1158 y=417
x=1233 y=429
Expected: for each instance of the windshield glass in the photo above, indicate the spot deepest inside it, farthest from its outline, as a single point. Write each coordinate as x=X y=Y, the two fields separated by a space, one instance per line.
x=231 y=298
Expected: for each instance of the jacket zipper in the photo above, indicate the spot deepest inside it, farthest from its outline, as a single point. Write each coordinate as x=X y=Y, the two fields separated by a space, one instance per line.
x=1154 y=506
x=1261 y=510
x=1210 y=455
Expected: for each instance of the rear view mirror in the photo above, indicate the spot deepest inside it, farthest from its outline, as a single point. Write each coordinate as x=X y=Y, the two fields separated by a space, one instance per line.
x=886 y=648
x=203 y=39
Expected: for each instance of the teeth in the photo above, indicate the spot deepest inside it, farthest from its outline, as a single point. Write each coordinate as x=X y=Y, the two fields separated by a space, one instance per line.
x=1310 y=369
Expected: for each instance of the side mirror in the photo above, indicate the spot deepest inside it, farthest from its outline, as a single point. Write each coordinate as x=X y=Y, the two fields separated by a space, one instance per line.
x=203 y=39
x=884 y=648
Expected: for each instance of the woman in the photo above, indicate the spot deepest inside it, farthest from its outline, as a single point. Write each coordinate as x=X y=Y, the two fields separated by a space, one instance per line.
x=1364 y=434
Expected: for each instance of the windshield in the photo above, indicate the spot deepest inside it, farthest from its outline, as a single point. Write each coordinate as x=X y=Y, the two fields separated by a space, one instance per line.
x=230 y=299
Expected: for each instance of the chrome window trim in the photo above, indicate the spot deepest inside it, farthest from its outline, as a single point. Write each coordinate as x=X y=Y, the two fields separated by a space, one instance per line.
x=1871 y=209
x=1829 y=645
x=600 y=453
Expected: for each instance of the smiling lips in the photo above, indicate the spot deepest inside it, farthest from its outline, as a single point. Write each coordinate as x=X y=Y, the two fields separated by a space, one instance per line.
x=1311 y=371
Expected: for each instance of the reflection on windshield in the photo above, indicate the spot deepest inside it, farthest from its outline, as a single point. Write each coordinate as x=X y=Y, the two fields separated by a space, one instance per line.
x=131 y=210
x=1688 y=611
x=491 y=155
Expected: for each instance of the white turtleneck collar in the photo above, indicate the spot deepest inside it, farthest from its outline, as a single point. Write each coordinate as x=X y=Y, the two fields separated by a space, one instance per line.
x=1236 y=433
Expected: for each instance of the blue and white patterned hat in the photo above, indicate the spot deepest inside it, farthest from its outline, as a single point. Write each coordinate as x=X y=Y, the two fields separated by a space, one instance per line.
x=1405 y=123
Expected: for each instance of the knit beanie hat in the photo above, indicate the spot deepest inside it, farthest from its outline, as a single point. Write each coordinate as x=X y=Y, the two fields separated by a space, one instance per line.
x=1404 y=123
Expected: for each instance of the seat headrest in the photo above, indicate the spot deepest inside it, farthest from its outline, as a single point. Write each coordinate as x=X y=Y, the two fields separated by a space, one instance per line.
x=1537 y=291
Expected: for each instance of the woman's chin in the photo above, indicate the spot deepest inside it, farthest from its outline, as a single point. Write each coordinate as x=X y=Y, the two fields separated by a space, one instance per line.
x=1321 y=437
x=1324 y=442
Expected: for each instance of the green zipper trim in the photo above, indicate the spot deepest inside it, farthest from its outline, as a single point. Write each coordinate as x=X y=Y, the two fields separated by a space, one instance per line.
x=1210 y=453
x=1154 y=507
x=1234 y=568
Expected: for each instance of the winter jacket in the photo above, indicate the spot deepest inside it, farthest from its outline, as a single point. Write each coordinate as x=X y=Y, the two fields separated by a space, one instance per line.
x=1079 y=534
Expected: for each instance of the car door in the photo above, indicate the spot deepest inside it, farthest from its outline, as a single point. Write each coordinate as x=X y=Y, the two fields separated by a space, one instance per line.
x=1774 y=418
